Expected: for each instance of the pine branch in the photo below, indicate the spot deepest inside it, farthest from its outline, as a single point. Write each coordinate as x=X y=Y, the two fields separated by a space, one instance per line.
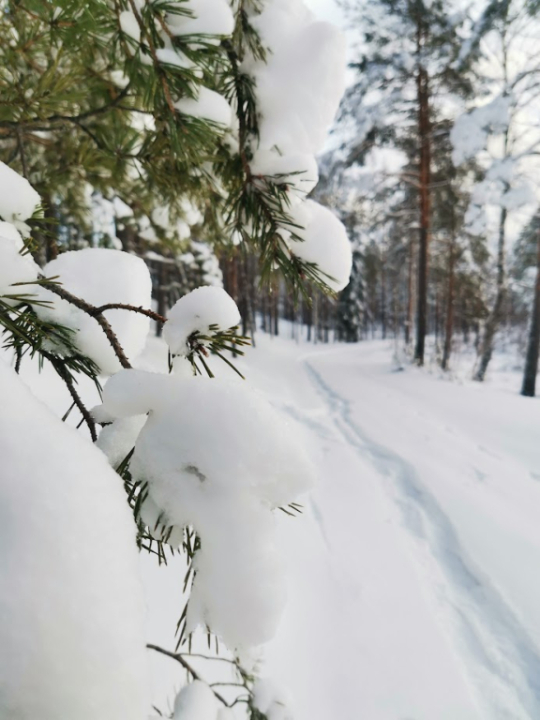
x=194 y=674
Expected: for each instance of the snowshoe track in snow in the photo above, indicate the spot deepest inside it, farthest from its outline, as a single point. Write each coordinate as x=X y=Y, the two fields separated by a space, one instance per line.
x=500 y=661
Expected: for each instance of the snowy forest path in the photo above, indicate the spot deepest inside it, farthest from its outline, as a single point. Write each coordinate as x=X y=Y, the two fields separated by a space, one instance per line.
x=500 y=659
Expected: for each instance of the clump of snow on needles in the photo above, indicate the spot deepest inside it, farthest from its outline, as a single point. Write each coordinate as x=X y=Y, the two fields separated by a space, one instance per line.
x=18 y=199
x=100 y=277
x=196 y=701
x=71 y=610
x=218 y=457
x=14 y=267
x=208 y=17
x=271 y=700
x=197 y=312
x=209 y=105
x=298 y=87
x=323 y=241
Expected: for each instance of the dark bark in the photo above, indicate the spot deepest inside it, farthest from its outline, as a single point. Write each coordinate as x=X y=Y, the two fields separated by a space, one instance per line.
x=410 y=302
x=449 y=324
x=424 y=139
x=531 y=362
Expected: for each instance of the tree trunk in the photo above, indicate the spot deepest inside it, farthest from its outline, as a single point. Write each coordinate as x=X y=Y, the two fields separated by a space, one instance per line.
x=531 y=363
x=425 y=202
x=449 y=324
x=494 y=318
x=410 y=302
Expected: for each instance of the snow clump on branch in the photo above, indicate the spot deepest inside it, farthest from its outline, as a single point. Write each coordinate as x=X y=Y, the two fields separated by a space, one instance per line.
x=198 y=312
x=298 y=88
x=202 y=455
x=14 y=266
x=18 y=199
x=215 y=456
x=100 y=277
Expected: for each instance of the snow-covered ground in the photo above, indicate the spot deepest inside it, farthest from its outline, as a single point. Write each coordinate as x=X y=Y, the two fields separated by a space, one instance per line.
x=414 y=572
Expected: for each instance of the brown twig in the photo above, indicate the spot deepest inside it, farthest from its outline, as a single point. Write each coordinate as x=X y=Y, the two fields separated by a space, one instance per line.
x=91 y=310
x=88 y=419
x=142 y=311
x=194 y=674
x=157 y=65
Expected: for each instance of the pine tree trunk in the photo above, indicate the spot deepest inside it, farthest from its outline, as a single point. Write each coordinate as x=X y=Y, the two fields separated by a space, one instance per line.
x=425 y=203
x=531 y=363
x=410 y=303
x=383 y=300
x=495 y=316
x=449 y=324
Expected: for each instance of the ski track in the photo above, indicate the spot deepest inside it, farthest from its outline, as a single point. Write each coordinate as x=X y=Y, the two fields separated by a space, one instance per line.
x=502 y=663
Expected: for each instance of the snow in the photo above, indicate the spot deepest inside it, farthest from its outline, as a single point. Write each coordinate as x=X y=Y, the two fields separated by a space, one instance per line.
x=196 y=312
x=470 y=131
x=209 y=105
x=118 y=438
x=270 y=700
x=300 y=86
x=18 y=199
x=209 y=17
x=71 y=610
x=14 y=267
x=195 y=701
x=300 y=172
x=412 y=590
x=323 y=241
x=169 y=56
x=100 y=277
x=227 y=494
x=129 y=25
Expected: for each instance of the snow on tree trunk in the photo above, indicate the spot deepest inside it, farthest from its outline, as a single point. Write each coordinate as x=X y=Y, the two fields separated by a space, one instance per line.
x=71 y=611
x=494 y=318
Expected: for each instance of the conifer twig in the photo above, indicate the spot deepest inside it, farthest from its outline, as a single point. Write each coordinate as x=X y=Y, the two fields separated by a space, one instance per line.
x=183 y=662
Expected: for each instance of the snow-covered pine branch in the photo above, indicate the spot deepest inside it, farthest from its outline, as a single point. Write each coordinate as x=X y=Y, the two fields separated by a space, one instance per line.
x=146 y=130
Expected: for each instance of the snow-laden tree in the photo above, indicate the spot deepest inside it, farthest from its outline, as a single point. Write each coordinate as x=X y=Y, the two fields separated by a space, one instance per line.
x=502 y=132
x=148 y=110
x=405 y=90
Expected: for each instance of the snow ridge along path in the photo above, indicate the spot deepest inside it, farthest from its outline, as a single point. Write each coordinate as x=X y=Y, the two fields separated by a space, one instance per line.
x=501 y=660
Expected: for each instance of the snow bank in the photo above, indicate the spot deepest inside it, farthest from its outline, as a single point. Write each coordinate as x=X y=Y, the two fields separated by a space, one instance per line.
x=217 y=457
x=71 y=613
x=324 y=242
x=18 y=199
x=196 y=312
x=100 y=277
